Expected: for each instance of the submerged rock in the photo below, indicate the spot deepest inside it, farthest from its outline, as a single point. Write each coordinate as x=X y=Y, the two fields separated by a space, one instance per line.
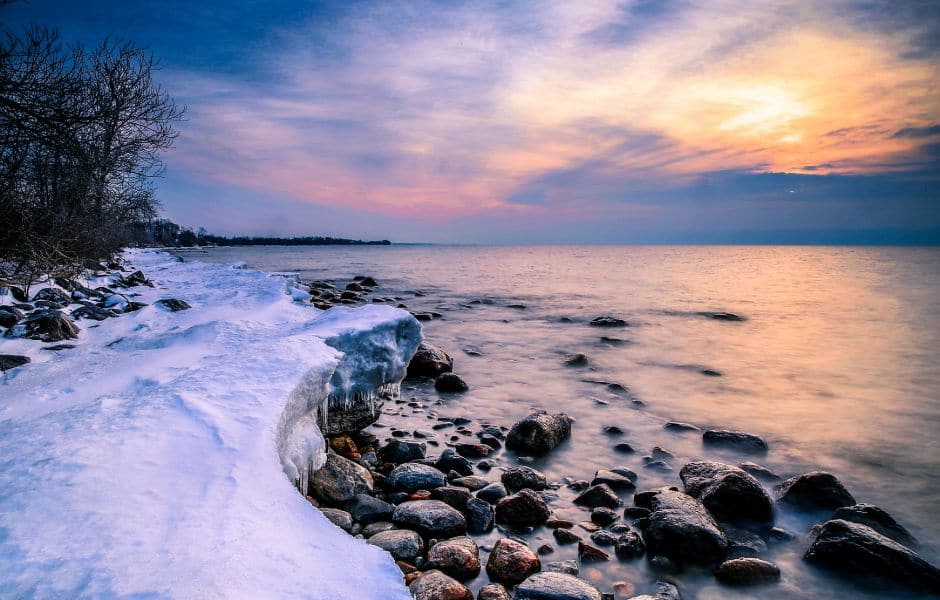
x=736 y=440
x=747 y=571
x=615 y=481
x=45 y=326
x=877 y=519
x=434 y=585
x=607 y=321
x=458 y=557
x=556 y=586
x=629 y=546
x=429 y=361
x=339 y=480
x=814 y=491
x=539 y=433
x=430 y=518
x=450 y=383
x=682 y=529
x=860 y=551
x=511 y=562
x=728 y=492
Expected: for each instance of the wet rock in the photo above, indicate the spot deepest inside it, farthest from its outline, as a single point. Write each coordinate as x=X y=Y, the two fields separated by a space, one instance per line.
x=859 y=551
x=429 y=361
x=607 y=321
x=603 y=516
x=539 y=433
x=9 y=315
x=664 y=591
x=728 y=492
x=743 y=543
x=629 y=546
x=366 y=509
x=340 y=518
x=615 y=481
x=519 y=477
x=434 y=585
x=624 y=448
x=399 y=451
x=603 y=538
x=377 y=527
x=511 y=562
x=877 y=519
x=569 y=567
x=368 y=282
x=351 y=419
x=453 y=495
x=450 y=383
x=576 y=360
x=682 y=529
x=430 y=518
x=471 y=482
x=565 y=537
x=172 y=304
x=458 y=557
x=635 y=512
x=11 y=361
x=493 y=591
x=45 y=326
x=814 y=491
x=710 y=372
x=339 y=480
x=556 y=586
x=403 y=544
x=759 y=471
x=724 y=316
x=598 y=495
x=523 y=509
x=588 y=553
x=480 y=516
x=747 y=571
x=491 y=441
x=355 y=287
x=473 y=450
x=451 y=461
x=735 y=440
x=18 y=293
x=411 y=477
x=679 y=427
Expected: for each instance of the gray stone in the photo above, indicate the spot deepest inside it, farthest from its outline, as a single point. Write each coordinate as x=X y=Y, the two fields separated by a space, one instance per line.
x=728 y=492
x=556 y=586
x=877 y=519
x=682 y=529
x=340 y=518
x=538 y=433
x=431 y=518
x=458 y=557
x=735 y=440
x=747 y=572
x=339 y=480
x=520 y=476
x=411 y=477
x=814 y=491
x=429 y=361
x=403 y=544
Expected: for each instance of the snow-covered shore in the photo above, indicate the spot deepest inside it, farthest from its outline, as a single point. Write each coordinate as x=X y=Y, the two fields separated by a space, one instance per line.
x=153 y=459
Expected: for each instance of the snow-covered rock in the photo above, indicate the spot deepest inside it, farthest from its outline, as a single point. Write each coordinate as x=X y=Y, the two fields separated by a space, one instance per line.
x=158 y=457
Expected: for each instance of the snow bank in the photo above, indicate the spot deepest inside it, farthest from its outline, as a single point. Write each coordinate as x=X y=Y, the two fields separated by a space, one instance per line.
x=150 y=460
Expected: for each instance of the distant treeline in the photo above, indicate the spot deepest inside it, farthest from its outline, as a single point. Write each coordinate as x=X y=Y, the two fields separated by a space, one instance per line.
x=161 y=232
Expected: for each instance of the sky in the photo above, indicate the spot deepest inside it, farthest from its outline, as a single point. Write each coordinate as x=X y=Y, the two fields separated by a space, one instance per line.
x=631 y=121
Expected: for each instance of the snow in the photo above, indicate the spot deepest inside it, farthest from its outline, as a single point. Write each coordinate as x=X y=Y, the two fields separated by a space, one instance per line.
x=157 y=457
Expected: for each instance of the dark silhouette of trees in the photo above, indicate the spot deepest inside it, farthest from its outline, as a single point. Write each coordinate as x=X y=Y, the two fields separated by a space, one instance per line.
x=81 y=134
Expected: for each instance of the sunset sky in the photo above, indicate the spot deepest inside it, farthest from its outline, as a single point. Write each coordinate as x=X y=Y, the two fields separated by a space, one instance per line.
x=608 y=121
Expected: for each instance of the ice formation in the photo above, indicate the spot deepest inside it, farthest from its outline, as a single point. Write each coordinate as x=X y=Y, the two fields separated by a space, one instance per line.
x=150 y=459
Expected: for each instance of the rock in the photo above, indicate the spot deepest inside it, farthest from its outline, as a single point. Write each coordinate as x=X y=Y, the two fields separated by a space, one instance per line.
x=399 y=451
x=430 y=518
x=520 y=477
x=860 y=551
x=758 y=471
x=55 y=296
x=629 y=546
x=747 y=571
x=607 y=321
x=614 y=481
x=588 y=553
x=355 y=417
x=569 y=567
x=410 y=477
x=11 y=361
x=603 y=538
x=45 y=326
x=724 y=316
x=576 y=360
x=458 y=557
x=455 y=496
x=523 y=509
x=565 y=537
x=9 y=315
x=682 y=529
x=471 y=482
x=679 y=427
x=450 y=383
x=377 y=527
x=556 y=586
x=473 y=450
x=727 y=492
x=493 y=591
x=339 y=480
x=451 y=461
x=664 y=591
x=403 y=544
x=877 y=519
x=91 y=312
x=814 y=491
x=491 y=441
x=735 y=440
x=366 y=509
x=624 y=448
x=429 y=361
x=18 y=293
x=603 y=516
x=355 y=287
x=598 y=495
x=434 y=585
x=480 y=516
x=136 y=278
x=493 y=493
x=368 y=282
x=511 y=562
x=538 y=433
x=340 y=518
x=172 y=304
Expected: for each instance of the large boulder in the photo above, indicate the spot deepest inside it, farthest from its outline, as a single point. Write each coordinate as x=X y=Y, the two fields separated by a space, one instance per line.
x=403 y=544
x=681 y=529
x=434 y=585
x=538 y=433
x=814 y=491
x=523 y=509
x=458 y=557
x=45 y=326
x=429 y=361
x=556 y=586
x=410 y=477
x=877 y=519
x=430 y=518
x=861 y=552
x=735 y=440
x=511 y=562
x=339 y=480
x=728 y=492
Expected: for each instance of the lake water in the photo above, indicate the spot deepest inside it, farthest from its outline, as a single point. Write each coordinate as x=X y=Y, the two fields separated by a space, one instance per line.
x=835 y=366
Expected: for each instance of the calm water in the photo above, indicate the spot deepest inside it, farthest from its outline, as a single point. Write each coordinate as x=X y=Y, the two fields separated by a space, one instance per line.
x=836 y=365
